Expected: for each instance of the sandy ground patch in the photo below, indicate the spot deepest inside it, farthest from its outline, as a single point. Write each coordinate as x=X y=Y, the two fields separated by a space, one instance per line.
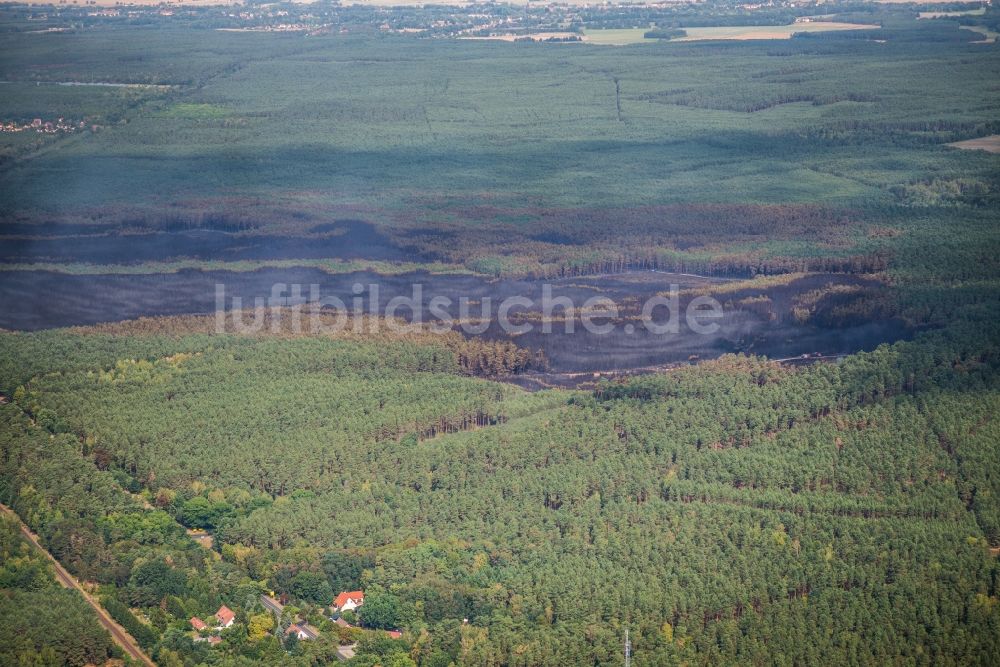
x=769 y=32
x=635 y=35
x=990 y=144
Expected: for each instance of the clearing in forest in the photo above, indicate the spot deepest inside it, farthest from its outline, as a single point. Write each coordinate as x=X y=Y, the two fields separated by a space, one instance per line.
x=990 y=144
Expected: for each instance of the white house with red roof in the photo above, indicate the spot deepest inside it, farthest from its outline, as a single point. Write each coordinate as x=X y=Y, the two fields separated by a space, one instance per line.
x=198 y=624
x=226 y=616
x=348 y=600
x=302 y=630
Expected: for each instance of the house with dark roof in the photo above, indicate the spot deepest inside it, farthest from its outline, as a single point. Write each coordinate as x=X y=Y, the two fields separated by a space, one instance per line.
x=272 y=605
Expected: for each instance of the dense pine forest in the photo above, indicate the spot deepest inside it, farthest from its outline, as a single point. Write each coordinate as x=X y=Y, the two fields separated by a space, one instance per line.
x=726 y=509
x=734 y=511
x=43 y=623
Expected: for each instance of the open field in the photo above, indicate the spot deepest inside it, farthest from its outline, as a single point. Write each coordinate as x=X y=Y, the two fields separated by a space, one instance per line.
x=989 y=36
x=989 y=144
x=938 y=15
x=769 y=32
x=617 y=36
x=622 y=37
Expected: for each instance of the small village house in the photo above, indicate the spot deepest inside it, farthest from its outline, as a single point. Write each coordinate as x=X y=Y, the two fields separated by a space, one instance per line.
x=272 y=605
x=225 y=616
x=303 y=631
x=348 y=600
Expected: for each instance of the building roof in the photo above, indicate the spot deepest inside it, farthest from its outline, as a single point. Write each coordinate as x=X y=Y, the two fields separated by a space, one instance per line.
x=341 y=600
x=214 y=640
x=395 y=634
x=225 y=615
x=307 y=631
x=198 y=624
x=342 y=623
x=272 y=604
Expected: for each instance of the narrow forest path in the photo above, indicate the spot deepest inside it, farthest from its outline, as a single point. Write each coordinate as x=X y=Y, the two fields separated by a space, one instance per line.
x=118 y=633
